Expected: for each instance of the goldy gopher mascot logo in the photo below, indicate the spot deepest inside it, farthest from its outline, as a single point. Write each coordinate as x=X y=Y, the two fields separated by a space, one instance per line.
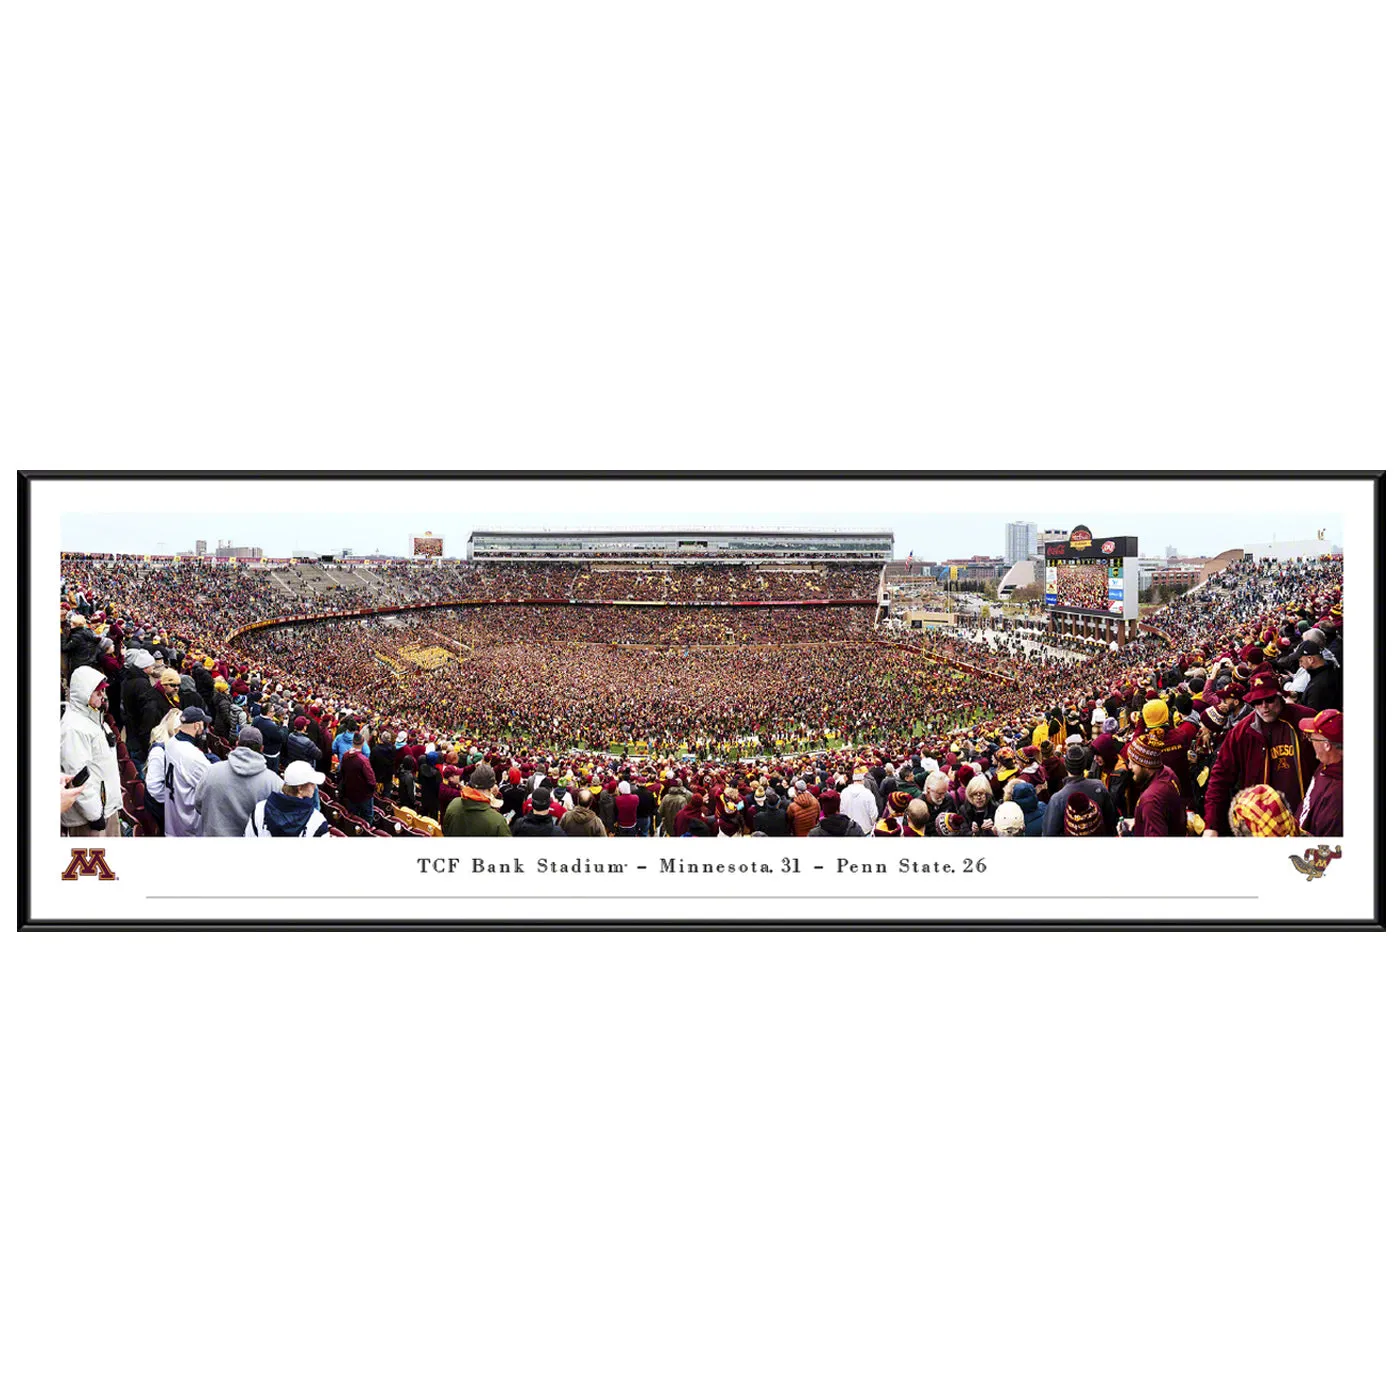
x=1313 y=863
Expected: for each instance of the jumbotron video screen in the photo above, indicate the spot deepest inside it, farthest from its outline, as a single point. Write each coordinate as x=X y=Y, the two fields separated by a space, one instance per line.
x=1085 y=574
x=1083 y=586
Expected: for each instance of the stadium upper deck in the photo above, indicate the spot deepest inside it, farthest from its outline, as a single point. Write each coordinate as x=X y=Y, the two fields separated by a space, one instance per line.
x=695 y=546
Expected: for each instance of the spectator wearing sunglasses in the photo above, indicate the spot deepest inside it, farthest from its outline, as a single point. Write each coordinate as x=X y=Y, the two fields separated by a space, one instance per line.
x=1265 y=747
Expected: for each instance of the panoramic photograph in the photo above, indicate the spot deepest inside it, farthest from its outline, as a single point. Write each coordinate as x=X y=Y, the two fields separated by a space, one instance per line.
x=971 y=676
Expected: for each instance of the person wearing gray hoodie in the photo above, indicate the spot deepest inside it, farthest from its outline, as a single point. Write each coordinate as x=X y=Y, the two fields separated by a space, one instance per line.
x=231 y=790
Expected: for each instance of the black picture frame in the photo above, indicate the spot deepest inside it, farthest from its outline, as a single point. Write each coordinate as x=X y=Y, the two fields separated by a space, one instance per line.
x=28 y=923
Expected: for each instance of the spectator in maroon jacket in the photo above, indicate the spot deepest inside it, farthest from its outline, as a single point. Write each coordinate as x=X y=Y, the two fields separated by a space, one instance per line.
x=1160 y=810
x=1321 y=814
x=694 y=810
x=627 y=804
x=1056 y=774
x=1266 y=747
x=357 y=781
x=323 y=739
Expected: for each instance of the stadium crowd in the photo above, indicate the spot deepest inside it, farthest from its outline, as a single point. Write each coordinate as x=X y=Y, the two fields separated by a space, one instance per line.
x=726 y=583
x=1224 y=720
x=1083 y=586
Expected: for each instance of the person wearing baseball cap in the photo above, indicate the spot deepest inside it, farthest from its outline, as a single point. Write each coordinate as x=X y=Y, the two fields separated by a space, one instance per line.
x=230 y=792
x=300 y=744
x=292 y=811
x=186 y=767
x=536 y=819
x=355 y=781
x=1324 y=678
x=1321 y=813
x=1266 y=748
x=476 y=810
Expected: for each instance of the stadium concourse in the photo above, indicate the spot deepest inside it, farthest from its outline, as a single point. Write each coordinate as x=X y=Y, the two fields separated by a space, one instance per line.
x=651 y=697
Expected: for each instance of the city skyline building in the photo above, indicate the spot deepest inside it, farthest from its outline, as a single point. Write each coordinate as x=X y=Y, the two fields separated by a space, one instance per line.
x=1021 y=540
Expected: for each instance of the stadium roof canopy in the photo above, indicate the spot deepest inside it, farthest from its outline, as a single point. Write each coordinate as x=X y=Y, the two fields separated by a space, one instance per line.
x=881 y=535
x=698 y=543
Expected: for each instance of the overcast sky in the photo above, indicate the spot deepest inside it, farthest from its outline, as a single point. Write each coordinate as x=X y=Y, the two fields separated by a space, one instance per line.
x=929 y=536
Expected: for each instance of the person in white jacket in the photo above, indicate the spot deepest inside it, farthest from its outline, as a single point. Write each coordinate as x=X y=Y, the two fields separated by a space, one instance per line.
x=87 y=741
x=858 y=803
x=186 y=767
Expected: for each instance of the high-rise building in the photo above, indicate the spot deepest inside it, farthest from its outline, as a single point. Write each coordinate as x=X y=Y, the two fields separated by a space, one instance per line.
x=201 y=546
x=1020 y=540
x=1172 y=551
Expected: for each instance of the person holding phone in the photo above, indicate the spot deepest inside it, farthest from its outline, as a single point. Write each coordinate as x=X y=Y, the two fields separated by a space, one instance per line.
x=70 y=789
x=88 y=746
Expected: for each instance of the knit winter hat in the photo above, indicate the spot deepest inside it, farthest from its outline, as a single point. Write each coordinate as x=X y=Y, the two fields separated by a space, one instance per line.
x=1082 y=816
x=1214 y=719
x=1261 y=811
x=1146 y=755
x=948 y=824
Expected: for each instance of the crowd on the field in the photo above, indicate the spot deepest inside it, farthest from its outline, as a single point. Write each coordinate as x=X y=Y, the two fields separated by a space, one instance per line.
x=1223 y=720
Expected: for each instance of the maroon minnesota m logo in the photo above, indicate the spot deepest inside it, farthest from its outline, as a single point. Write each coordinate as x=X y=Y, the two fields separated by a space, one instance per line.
x=88 y=863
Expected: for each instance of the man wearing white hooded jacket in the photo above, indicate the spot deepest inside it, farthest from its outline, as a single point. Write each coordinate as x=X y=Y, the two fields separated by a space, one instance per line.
x=86 y=741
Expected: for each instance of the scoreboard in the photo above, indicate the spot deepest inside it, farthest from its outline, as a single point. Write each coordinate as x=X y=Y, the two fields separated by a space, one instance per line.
x=429 y=544
x=1094 y=575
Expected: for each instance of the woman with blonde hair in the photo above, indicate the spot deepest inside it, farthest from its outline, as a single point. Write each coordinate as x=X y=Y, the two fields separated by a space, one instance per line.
x=162 y=734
